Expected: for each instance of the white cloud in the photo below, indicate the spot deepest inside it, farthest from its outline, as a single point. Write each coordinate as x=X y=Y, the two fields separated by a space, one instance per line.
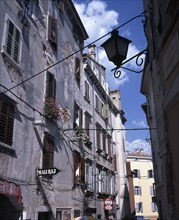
x=138 y=144
x=97 y=19
x=139 y=123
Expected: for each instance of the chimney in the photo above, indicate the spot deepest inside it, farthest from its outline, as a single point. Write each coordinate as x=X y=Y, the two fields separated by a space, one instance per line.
x=91 y=51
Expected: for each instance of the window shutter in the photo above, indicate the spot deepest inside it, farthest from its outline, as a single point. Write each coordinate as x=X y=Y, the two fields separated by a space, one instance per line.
x=48 y=152
x=82 y=170
x=109 y=145
x=115 y=162
x=90 y=177
x=6 y=121
x=52 y=29
x=12 y=46
x=140 y=190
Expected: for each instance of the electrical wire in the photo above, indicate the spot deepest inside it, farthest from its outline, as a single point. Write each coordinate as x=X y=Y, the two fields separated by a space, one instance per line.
x=24 y=81
x=108 y=129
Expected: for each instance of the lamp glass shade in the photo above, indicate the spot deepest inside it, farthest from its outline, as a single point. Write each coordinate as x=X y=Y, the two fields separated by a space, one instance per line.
x=116 y=48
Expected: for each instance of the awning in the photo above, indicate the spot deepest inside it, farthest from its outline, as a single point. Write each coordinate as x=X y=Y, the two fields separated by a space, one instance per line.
x=84 y=218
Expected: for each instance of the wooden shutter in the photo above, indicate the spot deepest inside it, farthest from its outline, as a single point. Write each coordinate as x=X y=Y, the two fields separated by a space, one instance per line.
x=115 y=162
x=98 y=136
x=82 y=170
x=52 y=29
x=6 y=121
x=50 y=86
x=48 y=152
x=12 y=41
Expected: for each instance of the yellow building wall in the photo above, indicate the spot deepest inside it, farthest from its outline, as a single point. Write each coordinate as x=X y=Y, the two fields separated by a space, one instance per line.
x=143 y=164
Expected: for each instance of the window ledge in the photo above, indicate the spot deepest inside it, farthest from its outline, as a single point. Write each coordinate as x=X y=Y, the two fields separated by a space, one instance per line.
x=6 y=148
x=12 y=63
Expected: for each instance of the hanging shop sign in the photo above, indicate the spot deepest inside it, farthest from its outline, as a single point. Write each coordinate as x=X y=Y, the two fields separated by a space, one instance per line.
x=108 y=203
x=47 y=172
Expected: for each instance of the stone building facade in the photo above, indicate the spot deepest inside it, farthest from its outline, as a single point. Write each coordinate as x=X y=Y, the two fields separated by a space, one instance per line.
x=58 y=143
x=160 y=86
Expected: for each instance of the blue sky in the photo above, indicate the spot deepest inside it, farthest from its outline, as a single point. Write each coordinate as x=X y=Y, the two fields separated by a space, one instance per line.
x=100 y=17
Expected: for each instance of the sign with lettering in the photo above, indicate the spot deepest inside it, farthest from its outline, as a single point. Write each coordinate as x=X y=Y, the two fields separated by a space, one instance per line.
x=108 y=203
x=9 y=188
x=47 y=172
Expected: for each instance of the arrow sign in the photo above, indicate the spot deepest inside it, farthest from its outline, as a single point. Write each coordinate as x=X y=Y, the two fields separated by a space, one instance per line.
x=47 y=172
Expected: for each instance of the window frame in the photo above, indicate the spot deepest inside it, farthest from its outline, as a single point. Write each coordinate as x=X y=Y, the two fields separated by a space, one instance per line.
x=9 y=123
x=10 y=57
x=48 y=151
x=87 y=91
x=137 y=190
x=136 y=173
x=50 y=91
x=78 y=166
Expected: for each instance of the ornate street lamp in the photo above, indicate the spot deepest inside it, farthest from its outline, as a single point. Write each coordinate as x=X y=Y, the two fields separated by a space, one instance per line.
x=116 y=48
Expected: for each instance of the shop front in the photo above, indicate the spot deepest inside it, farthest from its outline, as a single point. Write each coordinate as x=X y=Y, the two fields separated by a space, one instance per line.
x=10 y=201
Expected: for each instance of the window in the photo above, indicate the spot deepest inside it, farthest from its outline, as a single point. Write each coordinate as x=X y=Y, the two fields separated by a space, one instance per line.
x=12 y=42
x=104 y=141
x=6 y=120
x=78 y=118
x=77 y=69
x=139 y=207
x=98 y=136
x=137 y=190
x=52 y=29
x=136 y=173
x=50 y=86
x=97 y=103
x=87 y=96
x=64 y=214
x=48 y=151
x=103 y=182
x=44 y=215
x=89 y=176
x=154 y=207
x=79 y=168
x=150 y=174
x=87 y=123
x=115 y=162
x=109 y=144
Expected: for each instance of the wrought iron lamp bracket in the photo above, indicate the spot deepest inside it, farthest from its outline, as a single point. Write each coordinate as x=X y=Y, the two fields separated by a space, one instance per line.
x=139 y=62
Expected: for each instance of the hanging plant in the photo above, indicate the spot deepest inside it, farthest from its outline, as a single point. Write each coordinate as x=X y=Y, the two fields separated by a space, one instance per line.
x=51 y=109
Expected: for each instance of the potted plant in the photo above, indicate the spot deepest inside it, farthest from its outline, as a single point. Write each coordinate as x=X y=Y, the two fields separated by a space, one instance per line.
x=51 y=109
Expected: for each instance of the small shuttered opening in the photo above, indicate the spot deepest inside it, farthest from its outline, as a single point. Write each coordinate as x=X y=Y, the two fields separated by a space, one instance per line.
x=13 y=41
x=48 y=152
x=6 y=121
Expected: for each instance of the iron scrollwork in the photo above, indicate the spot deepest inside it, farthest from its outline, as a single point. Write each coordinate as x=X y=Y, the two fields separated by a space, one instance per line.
x=139 y=62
